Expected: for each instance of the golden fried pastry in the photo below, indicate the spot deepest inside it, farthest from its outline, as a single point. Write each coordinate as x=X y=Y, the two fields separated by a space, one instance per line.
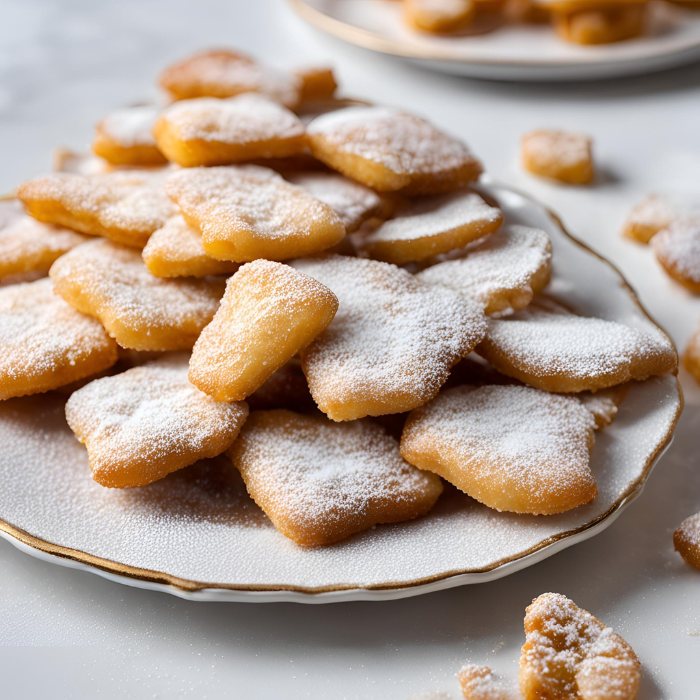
x=392 y=343
x=248 y=212
x=439 y=15
x=505 y=271
x=27 y=245
x=176 y=250
x=465 y=435
x=223 y=73
x=208 y=131
x=571 y=655
x=286 y=388
x=352 y=202
x=269 y=313
x=677 y=248
x=478 y=683
x=317 y=83
x=124 y=206
x=320 y=482
x=691 y=356
x=658 y=211
x=562 y=352
x=142 y=424
x=526 y=12
x=125 y=137
x=388 y=150
x=686 y=540
x=432 y=225
x=605 y=24
x=46 y=343
x=558 y=155
x=140 y=311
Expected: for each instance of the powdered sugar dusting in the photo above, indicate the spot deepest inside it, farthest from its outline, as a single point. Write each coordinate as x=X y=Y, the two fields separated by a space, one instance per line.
x=45 y=342
x=321 y=478
x=678 y=247
x=150 y=416
x=115 y=284
x=689 y=530
x=581 y=349
x=352 y=201
x=393 y=336
x=570 y=653
x=430 y=216
x=566 y=149
x=131 y=126
x=27 y=245
x=659 y=209
x=478 y=683
x=245 y=119
x=531 y=443
x=402 y=142
x=502 y=264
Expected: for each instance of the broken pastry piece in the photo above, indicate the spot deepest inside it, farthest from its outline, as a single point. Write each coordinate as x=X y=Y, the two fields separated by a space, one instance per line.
x=208 y=131
x=125 y=206
x=224 y=73
x=465 y=436
x=558 y=155
x=249 y=212
x=320 y=482
x=388 y=150
x=439 y=16
x=478 y=683
x=429 y=226
x=125 y=137
x=602 y=24
x=140 y=311
x=47 y=343
x=142 y=424
x=392 y=343
x=269 y=313
x=677 y=248
x=658 y=211
x=571 y=655
x=317 y=83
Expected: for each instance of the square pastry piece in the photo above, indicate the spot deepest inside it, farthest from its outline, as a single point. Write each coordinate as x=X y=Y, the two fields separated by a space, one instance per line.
x=320 y=482
x=388 y=149
x=558 y=155
x=45 y=342
x=208 y=131
x=269 y=313
x=140 y=311
x=140 y=425
x=249 y=212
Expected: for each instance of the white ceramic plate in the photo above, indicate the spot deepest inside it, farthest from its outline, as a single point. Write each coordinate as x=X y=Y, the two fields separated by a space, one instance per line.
x=516 y=52
x=198 y=535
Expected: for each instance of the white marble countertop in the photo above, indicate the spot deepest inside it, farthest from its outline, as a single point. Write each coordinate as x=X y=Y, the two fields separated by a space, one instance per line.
x=69 y=634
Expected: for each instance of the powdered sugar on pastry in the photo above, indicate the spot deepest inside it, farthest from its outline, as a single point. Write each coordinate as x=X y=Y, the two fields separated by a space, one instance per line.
x=176 y=250
x=392 y=343
x=27 y=245
x=562 y=352
x=320 y=482
x=686 y=540
x=677 y=248
x=512 y=448
x=569 y=653
x=478 y=683
x=353 y=202
x=657 y=211
x=131 y=126
x=502 y=272
x=248 y=212
x=46 y=343
x=143 y=312
x=389 y=150
x=429 y=226
x=223 y=73
x=126 y=206
x=142 y=424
